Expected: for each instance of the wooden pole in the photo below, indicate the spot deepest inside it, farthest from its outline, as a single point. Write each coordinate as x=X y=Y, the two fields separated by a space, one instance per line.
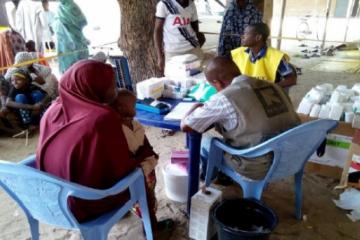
x=327 y=13
x=268 y=11
x=282 y=15
x=348 y=17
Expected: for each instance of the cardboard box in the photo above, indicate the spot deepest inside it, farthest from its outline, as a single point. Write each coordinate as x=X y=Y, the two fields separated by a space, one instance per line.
x=342 y=129
x=337 y=150
x=180 y=157
x=353 y=163
x=201 y=225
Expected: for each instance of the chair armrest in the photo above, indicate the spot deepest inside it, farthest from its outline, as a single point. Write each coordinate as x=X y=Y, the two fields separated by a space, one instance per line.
x=253 y=152
x=87 y=193
x=30 y=161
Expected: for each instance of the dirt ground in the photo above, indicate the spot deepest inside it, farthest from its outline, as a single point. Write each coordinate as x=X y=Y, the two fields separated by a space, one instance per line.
x=323 y=219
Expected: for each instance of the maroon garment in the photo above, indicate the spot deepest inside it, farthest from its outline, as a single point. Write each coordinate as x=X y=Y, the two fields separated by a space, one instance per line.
x=81 y=139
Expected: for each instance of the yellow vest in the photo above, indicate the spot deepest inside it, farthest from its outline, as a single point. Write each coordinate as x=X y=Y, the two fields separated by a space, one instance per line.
x=264 y=68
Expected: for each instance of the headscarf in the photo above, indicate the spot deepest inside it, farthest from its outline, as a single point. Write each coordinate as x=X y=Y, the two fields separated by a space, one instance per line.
x=71 y=15
x=19 y=72
x=68 y=25
x=20 y=57
x=81 y=139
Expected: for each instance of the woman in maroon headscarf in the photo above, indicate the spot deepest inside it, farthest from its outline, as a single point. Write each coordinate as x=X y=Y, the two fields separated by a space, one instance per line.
x=81 y=139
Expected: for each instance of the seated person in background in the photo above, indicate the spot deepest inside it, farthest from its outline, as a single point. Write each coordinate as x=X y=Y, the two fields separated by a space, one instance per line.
x=11 y=42
x=257 y=60
x=4 y=91
x=176 y=31
x=30 y=48
x=8 y=121
x=41 y=75
x=29 y=100
x=245 y=111
x=137 y=141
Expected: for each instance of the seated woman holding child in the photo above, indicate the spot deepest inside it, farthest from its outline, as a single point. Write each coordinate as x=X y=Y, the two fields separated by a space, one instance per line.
x=82 y=140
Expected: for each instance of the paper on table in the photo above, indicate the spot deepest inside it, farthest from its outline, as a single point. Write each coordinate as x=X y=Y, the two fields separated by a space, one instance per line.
x=179 y=111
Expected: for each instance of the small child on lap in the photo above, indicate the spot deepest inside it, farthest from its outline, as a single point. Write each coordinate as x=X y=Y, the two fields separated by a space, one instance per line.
x=138 y=143
x=134 y=132
x=140 y=147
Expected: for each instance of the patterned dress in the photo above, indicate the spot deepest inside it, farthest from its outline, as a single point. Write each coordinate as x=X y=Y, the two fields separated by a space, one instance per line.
x=234 y=23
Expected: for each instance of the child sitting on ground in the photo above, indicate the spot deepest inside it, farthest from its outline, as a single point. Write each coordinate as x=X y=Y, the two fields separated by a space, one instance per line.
x=41 y=75
x=9 y=123
x=31 y=48
x=29 y=100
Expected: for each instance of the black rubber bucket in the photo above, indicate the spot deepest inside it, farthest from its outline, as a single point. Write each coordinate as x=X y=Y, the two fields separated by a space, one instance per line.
x=240 y=219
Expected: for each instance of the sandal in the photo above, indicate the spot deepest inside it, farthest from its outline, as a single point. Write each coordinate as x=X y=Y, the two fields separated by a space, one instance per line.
x=167 y=132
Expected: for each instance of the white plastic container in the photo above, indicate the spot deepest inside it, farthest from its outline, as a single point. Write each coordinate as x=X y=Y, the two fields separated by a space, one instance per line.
x=337 y=97
x=305 y=106
x=349 y=117
x=326 y=87
x=356 y=88
x=180 y=66
x=348 y=107
x=336 y=112
x=150 y=88
x=324 y=112
x=341 y=87
x=315 y=111
x=315 y=95
x=176 y=182
x=356 y=106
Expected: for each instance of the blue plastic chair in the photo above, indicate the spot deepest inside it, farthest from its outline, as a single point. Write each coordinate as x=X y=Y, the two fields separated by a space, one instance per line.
x=43 y=197
x=291 y=150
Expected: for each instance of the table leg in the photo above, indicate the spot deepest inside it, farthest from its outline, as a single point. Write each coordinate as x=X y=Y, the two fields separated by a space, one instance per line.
x=193 y=142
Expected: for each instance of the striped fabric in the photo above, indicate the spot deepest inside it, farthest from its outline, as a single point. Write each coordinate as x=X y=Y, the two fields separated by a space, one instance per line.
x=217 y=110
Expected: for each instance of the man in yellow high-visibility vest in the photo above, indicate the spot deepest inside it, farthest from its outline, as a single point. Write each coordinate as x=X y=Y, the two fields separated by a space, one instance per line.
x=257 y=60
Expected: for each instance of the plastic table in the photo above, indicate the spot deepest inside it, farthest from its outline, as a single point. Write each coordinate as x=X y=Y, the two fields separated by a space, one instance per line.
x=193 y=141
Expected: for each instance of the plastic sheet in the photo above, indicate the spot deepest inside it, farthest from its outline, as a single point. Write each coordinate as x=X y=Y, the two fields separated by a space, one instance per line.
x=350 y=200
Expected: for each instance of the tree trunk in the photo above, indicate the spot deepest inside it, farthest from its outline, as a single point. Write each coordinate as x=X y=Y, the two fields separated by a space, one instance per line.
x=136 y=38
